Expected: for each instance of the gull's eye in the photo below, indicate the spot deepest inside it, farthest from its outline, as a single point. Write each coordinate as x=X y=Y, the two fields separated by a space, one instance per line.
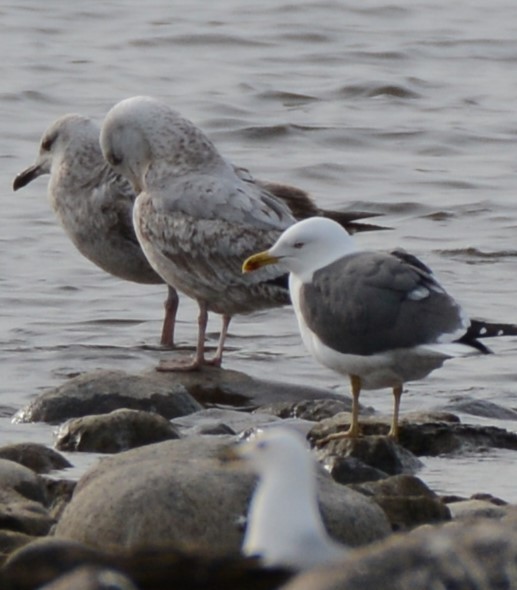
x=113 y=158
x=46 y=144
x=261 y=445
x=298 y=245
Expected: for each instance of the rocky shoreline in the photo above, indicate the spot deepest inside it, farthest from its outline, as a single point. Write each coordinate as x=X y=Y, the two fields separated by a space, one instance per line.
x=164 y=508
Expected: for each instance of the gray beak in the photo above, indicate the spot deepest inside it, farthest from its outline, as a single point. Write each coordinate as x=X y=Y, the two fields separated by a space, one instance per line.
x=28 y=175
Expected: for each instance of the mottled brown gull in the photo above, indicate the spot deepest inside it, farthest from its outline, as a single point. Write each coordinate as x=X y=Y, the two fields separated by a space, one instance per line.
x=197 y=216
x=284 y=525
x=382 y=319
x=94 y=205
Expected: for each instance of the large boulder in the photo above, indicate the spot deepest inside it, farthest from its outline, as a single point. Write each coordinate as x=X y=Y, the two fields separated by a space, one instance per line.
x=180 y=492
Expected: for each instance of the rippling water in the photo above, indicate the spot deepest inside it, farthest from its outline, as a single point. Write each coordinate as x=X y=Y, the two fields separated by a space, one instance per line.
x=405 y=108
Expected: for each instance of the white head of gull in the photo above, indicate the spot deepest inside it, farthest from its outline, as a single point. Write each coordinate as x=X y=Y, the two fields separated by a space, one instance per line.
x=382 y=319
x=196 y=216
x=284 y=525
x=94 y=205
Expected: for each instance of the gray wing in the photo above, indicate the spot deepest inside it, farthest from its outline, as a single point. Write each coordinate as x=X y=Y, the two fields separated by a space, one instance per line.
x=222 y=194
x=367 y=303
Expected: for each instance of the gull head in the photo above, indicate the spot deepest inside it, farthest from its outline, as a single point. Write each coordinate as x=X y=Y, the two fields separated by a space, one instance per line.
x=305 y=247
x=274 y=449
x=68 y=136
x=150 y=144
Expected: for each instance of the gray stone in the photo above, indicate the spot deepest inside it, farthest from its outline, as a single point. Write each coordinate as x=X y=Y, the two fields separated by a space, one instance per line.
x=179 y=492
x=22 y=499
x=481 y=407
x=20 y=480
x=481 y=556
x=169 y=394
x=219 y=420
x=423 y=437
x=35 y=456
x=117 y=431
x=151 y=568
x=91 y=578
x=474 y=509
x=406 y=500
x=104 y=391
x=379 y=452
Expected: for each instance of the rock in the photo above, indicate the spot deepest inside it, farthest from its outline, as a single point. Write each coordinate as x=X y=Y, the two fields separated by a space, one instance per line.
x=169 y=394
x=346 y=470
x=406 y=500
x=10 y=541
x=481 y=407
x=155 y=568
x=20 y=480
x=380 y=452
x=117 y=431
x=313 y=410
x=433 y=439
x=179 y=492
x=474 y=509
x=104 y=391
x=35 y=456
x=221 y=421
x=481 y=556
x=91 y=578
x=22 y=499
x=59 y=493
x=47 y=559
x=425 y=438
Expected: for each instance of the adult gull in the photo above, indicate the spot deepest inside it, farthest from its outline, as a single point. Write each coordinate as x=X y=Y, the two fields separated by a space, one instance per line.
x=380 y=318
x=284 y=525
x=196 y=215
x=94 y=205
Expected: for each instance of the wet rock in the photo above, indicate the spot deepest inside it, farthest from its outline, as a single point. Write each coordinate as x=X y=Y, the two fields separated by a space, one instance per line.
x=23 y=482
x=406 y=500
x=481 y=556
x=346 y=470
x=35 y=456
x=58 y=492
x=155 y=568
x=221 y=421
x=22 y=498
x=46 y=559
x=168 y=394
x=105 y=391
x=10 y=541
x=480 y=407
x=313 y=410
x=425 y=438
x=117 y=431
x=212 y=386
x=433 y=439
x=380 y=452
x=474 y=509
x=178 y=491
x=91 y=578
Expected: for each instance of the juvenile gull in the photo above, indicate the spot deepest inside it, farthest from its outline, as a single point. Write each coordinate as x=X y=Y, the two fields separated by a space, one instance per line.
x=284 y=525
x=94 y=205
x=382 y=319
x=196 y=216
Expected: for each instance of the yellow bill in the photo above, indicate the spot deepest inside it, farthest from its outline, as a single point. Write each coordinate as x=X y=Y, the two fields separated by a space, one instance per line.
x=258 y=260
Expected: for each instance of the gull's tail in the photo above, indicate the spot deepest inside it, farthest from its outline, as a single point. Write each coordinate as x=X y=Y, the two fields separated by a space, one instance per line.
x=480 y=329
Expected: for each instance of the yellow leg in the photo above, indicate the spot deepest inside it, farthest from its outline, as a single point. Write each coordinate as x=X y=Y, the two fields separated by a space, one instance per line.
x=355 y=382
x=353 y=431
x=394 y=430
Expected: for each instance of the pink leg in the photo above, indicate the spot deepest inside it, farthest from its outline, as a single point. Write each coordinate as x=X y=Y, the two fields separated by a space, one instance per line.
x=218 y=358
x=199 y=358
x=169 y=321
